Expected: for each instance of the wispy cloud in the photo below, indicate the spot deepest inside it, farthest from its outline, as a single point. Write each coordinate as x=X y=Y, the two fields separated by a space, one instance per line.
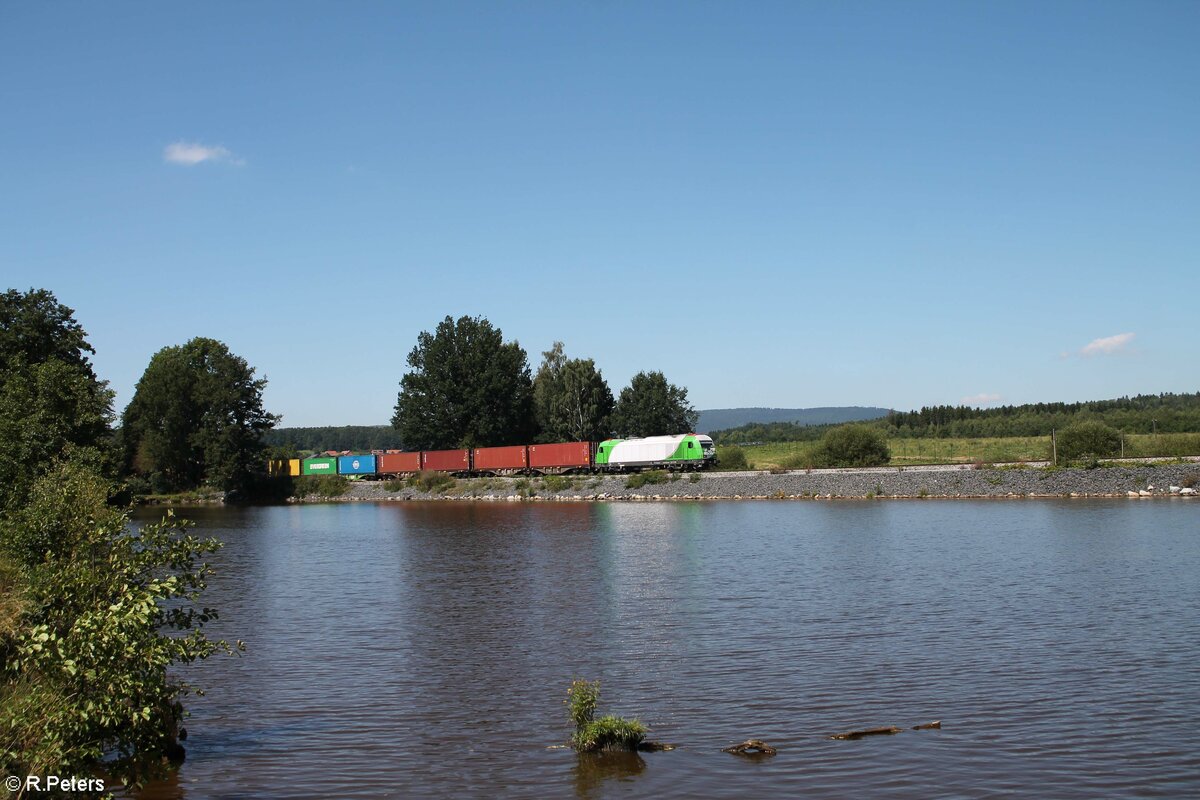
x=190 y=154
x=1107 y=345
x=982 y=399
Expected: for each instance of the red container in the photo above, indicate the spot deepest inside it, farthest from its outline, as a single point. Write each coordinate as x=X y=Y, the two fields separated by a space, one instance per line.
x=394 y=463
x=565 y=454
x=514 y=457
x=446 y=460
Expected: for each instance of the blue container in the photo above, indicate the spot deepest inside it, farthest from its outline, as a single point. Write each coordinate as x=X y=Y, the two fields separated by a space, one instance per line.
x=356 y=465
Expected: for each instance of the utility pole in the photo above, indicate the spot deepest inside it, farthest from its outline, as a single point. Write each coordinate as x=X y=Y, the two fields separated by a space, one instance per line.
x=1053 y=448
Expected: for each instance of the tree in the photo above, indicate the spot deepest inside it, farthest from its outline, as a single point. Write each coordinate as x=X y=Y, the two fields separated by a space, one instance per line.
x=466 y=387
x=547 y=387
x=571 y=399
x=103 y=612
x=196 y=418
x=649 y=406
x=585 y=405
x=853 y=446
x=50 y=399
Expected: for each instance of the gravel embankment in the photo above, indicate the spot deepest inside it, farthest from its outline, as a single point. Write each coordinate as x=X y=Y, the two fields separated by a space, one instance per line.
x=891 y=482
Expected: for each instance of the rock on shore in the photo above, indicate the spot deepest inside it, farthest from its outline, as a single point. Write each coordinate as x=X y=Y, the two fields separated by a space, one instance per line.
x=1139 y=482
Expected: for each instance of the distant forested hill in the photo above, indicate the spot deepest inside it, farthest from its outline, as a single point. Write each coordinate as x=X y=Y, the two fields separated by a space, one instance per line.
x=716 y=419
x=345 y=437
x=1145 y=413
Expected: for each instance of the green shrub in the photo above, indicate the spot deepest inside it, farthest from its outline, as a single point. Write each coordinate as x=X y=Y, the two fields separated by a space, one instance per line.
x=606 y=733
x=431 y=481
x=853 y=446
x=557 y=483
x=639 y=479
x=1088 y=441
x=732 y=458
x=694 y=477
x=395 y=485
x=320 y=486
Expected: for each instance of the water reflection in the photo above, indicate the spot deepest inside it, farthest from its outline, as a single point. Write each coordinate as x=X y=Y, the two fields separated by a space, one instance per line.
x=593 y=769
x=381 y=634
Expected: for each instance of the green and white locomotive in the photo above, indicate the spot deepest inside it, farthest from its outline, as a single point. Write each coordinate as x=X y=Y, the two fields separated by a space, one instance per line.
x=682 y=452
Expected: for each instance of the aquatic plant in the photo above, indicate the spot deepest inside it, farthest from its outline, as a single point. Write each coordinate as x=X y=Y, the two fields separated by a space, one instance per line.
x=606 y=733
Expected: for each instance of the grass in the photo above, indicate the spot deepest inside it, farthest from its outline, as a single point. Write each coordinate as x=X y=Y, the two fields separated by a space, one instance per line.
x=913 y=452
x=320 y=485
x=430 y=481
x=606 y=733
x=639 y=479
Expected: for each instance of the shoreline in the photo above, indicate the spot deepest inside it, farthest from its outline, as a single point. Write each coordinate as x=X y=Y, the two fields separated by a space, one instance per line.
x=877 y=483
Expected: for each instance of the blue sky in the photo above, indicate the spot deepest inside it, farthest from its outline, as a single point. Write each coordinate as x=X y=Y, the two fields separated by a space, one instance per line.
x=777 y=204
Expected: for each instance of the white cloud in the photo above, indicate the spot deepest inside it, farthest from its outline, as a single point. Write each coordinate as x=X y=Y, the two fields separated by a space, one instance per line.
x=192 y=153
x=982 y=399
x=1107 y=345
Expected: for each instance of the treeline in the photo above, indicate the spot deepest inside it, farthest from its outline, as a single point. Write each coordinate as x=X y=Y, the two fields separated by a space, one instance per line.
x=763 y=432
x=1162 y=413
x=1150 y=413
x=331 y=437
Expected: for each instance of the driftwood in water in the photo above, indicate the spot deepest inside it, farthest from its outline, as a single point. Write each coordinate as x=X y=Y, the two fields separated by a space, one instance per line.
x=750 y=747
x=888 y=731
x=928 y=726
x=654 y=747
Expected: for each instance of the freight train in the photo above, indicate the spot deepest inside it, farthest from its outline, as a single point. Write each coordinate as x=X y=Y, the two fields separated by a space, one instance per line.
x=681 y=452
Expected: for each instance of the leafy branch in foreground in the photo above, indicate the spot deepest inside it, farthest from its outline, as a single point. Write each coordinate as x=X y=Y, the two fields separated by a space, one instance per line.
x=106 y=609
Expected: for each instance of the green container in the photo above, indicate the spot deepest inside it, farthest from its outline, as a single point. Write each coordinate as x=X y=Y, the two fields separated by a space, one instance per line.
x=319 y=466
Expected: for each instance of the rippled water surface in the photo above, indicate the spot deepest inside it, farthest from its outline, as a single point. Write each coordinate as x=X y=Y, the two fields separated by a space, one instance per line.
x=425 y=649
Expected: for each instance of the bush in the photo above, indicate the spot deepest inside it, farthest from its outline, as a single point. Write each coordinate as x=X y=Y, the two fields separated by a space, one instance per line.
x=557 y=483
x=852 y=446
x=320 y=486
x=732 y=458
x=639 y=479
x=1087 y=441
x=606 y=733
x=431 y=481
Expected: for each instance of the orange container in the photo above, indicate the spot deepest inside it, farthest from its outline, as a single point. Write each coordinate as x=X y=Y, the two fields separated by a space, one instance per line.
x=446 y=460
x=514 y=457
x=563 y=454
x=395 y=463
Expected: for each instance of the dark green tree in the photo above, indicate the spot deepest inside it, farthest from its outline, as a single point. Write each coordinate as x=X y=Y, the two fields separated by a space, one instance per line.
x=571 y=399
x=50 y=399
x=853 y=446
x=650 y=406
x=547 y=387
x=466 y=387
x=196 y=418
x=585 y=403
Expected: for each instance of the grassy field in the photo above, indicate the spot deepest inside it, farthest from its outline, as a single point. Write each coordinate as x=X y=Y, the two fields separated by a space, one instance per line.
x=911 y=452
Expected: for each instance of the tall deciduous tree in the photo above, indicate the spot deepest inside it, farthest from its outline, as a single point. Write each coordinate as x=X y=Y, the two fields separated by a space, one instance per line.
x=571 y=399
x=50 y=398
x=196 y=418
x=466 y=387
x=650 y=406
x=547 y=386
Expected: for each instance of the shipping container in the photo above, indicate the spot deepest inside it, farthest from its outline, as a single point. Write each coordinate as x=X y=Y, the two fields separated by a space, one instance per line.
x=563 y=455
x=396 y=463
x=495 y=459
x=319 y=465
x=446 y=460
x=278 y=467
x=356 y=465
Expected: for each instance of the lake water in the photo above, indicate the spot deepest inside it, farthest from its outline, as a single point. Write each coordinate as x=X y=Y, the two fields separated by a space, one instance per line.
x=403 y=650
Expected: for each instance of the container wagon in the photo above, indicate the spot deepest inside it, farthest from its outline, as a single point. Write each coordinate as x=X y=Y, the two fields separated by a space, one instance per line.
x=561 y=457
x=280 y=467
x=446 y=460
x=319 y=465
x=356 y=465
x=500 y=460
x=398 y=463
